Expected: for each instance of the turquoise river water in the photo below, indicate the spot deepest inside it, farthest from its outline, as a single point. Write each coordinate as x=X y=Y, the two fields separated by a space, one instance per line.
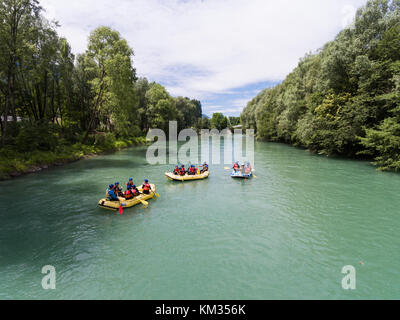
x=286 y=234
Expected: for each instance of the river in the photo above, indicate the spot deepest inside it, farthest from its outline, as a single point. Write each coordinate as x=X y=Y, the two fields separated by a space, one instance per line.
x=286 y=234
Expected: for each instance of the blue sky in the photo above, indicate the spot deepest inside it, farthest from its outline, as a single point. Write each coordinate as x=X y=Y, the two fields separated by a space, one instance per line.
x=221 y=52
x=232 y=102
x=229 y=101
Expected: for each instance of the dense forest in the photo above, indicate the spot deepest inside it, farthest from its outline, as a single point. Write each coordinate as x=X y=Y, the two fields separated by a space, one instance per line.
x=56 y=106
x=344 y=99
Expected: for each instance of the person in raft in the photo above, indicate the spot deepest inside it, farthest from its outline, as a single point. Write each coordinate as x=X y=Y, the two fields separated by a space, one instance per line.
x=248 y=168
x=131 y=192
x=118 y=190
x=191 y=171
x=176 y=171
x=146 y=187
x=129 y=184
x=128 y=193
x=236 y=166
x=135 y=191
x=111 y=196
x=205 y=167
x=182 y=171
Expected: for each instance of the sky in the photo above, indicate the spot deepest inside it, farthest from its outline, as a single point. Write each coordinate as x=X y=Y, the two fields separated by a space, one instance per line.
x=221 y=52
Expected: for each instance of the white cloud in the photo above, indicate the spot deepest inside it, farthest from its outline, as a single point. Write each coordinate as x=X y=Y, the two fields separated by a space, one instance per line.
x=348 y=14
x=239 y=102
x=199 y=48
x=227 y=110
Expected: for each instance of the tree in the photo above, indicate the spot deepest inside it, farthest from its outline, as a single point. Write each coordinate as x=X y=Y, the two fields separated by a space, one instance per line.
x=188 y=111
x=219 y=121
x=141 y=88
x=161 y=107
x=18 y=18
x=234 y=121
x=383 y=143
x=109 y=60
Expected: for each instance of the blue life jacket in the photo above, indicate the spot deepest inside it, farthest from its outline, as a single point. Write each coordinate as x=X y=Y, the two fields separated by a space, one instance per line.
x=112 y=195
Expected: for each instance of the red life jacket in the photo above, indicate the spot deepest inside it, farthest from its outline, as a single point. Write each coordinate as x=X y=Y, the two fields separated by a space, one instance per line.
x=146 y=187
x=236 y=166
x=134 y=192
x=128 y=194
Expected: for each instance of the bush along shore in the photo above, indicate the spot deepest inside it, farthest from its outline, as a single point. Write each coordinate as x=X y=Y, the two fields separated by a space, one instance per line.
x=14 y=163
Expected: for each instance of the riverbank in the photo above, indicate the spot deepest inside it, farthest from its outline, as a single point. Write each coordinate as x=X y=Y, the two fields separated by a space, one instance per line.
x=14 y=164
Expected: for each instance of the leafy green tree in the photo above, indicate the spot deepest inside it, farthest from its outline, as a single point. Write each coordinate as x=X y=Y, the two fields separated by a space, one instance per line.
x=383 y=143
x=141 y=88
x=233 y=121
x=18 y=19
x=219 y=121
x=161 y=107
x=109 y=59
x=203 y=123
x=189 y=111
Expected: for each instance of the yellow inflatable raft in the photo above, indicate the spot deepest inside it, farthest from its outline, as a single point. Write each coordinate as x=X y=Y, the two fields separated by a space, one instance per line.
x=171 y=176
x=115 y=205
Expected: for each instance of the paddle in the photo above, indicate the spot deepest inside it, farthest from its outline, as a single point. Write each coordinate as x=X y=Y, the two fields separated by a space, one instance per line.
x=144 y=203
x=121 y=209
x=156 y=194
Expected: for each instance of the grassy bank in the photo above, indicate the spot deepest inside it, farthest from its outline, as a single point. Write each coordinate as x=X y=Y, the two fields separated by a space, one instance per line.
x=14 y=163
